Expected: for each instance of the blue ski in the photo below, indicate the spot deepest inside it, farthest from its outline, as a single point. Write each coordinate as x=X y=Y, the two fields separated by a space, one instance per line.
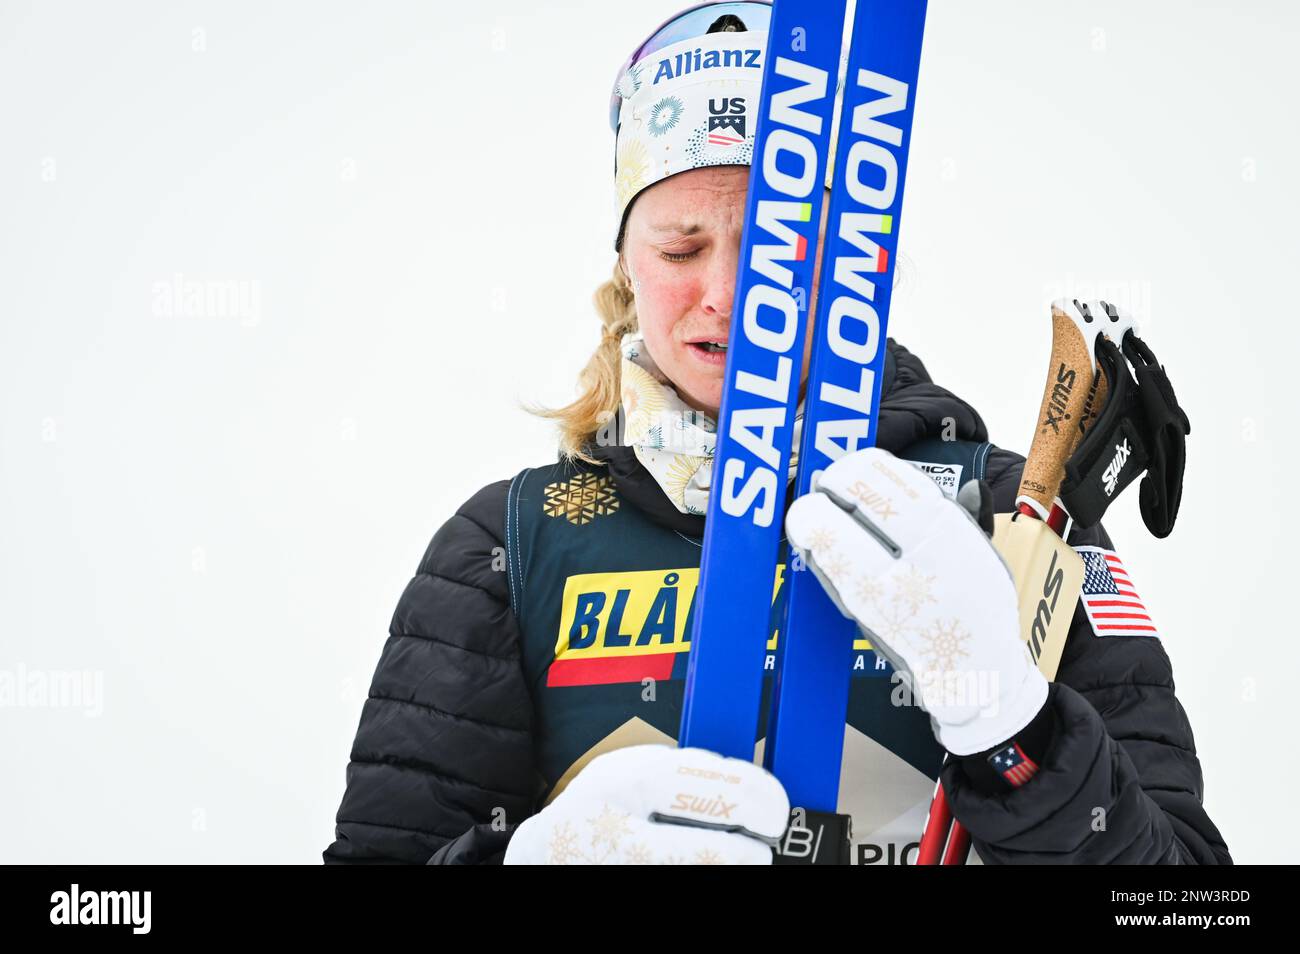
x=724 y=677
x=778 y=249
x=805 y=737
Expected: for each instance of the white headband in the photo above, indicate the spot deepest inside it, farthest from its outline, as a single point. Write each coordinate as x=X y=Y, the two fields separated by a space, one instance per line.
x=690 y=105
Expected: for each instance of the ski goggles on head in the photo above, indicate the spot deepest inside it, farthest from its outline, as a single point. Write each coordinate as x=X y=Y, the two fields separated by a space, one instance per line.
x=756 y=15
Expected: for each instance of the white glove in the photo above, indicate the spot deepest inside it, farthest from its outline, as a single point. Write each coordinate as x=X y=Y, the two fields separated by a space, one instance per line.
x=917 y=572
x=655 y=804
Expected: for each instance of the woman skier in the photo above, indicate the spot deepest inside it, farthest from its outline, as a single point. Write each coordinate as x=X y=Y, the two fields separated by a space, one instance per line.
x=527 y=699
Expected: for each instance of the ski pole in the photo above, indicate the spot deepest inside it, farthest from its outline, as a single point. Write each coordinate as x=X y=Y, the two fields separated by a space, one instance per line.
x=1032 y=541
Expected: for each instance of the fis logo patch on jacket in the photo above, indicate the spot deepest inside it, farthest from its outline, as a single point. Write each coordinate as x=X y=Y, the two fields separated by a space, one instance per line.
x=1109 y=597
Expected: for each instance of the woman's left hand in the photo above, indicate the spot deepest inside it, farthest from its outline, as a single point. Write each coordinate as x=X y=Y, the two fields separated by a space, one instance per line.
x=920 y=576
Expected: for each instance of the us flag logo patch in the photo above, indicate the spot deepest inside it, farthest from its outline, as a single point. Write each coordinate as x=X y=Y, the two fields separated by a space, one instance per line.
x=1013 y=765
x=1109 y=597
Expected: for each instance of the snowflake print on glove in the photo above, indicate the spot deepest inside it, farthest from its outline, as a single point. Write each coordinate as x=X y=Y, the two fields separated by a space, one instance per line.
x=917 y=573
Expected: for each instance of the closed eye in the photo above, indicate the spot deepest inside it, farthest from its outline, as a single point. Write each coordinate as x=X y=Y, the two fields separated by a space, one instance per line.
x=677 y=256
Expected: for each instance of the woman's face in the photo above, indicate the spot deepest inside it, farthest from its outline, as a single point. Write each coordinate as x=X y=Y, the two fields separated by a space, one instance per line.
x=680 y=250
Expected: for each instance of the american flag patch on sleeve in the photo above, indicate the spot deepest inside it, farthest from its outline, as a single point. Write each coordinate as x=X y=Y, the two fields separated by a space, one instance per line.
x=1013 y=765
x=1109 y=597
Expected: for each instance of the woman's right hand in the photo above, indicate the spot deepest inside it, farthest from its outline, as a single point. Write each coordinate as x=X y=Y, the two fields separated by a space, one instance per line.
x=656 y=804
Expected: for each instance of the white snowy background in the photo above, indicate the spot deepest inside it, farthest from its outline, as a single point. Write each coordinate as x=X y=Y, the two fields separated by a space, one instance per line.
x=213 y=514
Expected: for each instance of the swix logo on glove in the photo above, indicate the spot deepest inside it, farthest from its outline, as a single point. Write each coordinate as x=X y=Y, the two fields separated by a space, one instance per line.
x=703 y=805
x=872 y=500
x=1112 y=471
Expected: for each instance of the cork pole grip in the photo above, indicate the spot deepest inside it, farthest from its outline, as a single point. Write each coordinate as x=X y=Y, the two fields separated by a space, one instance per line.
x=1070 y=378
x=1091 y=408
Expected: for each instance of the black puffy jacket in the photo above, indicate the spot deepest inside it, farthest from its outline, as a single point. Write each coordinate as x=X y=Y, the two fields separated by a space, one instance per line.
x=445 y=761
